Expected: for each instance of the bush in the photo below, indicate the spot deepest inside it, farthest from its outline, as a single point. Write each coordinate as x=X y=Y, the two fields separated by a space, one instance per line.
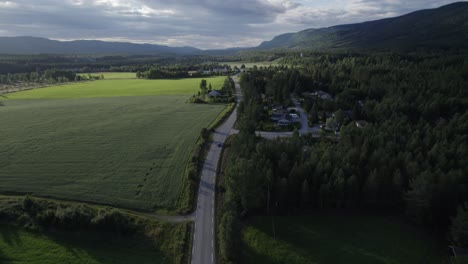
x=113 y=220
x=73 y=217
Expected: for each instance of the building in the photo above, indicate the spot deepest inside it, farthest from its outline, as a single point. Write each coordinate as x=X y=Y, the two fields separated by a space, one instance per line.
x=284 y=122
x=294 y=116
x=214 y=94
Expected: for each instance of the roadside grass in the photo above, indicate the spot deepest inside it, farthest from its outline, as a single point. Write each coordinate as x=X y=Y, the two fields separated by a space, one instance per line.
x=119 y=87
x=103 y=144
x=337 y=238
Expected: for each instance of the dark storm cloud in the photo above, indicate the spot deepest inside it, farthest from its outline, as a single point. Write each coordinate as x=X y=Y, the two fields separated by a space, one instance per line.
x=200 y=23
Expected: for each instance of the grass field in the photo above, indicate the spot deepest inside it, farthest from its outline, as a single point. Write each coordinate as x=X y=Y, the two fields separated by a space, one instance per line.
x=338 y=238
x=119 y=88
x=19 y=246
x=97 y=142
x=115 y=75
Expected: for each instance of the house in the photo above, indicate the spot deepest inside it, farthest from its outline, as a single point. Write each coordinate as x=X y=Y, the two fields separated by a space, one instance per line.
x=361 y=124
x=221 y=70
x=192 y=73
x=294 y=116
x=284 y=122
x=214 y=94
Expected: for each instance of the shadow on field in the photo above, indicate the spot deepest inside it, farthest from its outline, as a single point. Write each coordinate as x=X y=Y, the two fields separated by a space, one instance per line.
x=108 y=248
x=11 y=237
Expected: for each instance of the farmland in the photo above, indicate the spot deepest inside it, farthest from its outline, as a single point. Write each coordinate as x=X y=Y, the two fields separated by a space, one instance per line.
x=337 y=238
x=117 y=142
x=117 y=87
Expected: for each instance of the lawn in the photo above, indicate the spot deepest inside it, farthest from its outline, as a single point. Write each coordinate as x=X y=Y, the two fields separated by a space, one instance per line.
x=118 y=88
x=126 y=151
x=337 y=238
x=19 y=246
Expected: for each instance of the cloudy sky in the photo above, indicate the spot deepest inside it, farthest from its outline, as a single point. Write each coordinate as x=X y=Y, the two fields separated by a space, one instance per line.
x=204 y=24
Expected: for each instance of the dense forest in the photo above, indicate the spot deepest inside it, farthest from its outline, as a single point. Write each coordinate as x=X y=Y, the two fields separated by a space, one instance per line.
x=412 y=157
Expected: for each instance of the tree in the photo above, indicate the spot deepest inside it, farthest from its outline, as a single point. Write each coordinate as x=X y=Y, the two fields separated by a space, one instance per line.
x=205 y=133
x=459 y=230
x=203 y=88
x=305 y=193
x=331 y=123
x=356 y=113
x=314 y=114
x=339 y=117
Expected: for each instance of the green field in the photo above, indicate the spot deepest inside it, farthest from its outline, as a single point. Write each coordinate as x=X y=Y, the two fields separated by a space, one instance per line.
x=119 y=88
x=19 y=246
x=337 y=238
x=96 y=142
x=115 y=75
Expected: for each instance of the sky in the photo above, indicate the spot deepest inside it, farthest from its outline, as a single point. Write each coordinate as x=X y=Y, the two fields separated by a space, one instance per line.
x=205 y=24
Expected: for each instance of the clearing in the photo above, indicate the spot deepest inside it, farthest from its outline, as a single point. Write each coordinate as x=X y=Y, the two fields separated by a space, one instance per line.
x=118 y=142
x=337 y=238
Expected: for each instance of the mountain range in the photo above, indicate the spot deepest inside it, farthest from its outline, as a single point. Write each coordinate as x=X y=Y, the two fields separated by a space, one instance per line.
x=441 y=28
x=35 y=45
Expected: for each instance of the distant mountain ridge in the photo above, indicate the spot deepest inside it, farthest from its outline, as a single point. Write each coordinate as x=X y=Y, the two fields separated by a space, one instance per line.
x=35 y=45
x=443 y=27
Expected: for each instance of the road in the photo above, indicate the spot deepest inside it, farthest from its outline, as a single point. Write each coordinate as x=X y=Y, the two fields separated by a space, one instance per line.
x=203 y=250
x=305 y=129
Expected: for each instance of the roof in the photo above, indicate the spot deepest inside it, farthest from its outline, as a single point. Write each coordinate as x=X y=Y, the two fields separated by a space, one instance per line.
x=214 y=93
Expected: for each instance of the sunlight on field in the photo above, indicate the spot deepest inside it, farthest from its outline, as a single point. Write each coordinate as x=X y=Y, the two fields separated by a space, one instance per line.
x=118 y=88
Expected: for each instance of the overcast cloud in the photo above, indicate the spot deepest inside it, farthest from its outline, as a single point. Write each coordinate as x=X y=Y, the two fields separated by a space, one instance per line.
x=204 y=24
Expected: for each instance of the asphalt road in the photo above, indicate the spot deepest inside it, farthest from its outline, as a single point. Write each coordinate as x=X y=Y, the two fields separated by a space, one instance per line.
x=203 y=250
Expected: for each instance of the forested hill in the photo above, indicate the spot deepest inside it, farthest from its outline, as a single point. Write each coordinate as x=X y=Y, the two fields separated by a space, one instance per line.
x=34 y=45
x=442 y=28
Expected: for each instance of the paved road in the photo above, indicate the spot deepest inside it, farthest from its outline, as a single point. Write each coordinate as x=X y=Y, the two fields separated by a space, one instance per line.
x=305 y=129
x=203 y=239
